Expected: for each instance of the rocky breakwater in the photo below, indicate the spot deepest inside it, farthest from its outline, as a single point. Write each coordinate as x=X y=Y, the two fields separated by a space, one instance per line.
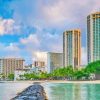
x=33 y=92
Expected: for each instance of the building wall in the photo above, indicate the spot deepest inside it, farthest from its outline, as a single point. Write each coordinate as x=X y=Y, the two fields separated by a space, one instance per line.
x=72 y=48
x=93 y=37
x=55 y=60
x=1 y=66
x=8 y=65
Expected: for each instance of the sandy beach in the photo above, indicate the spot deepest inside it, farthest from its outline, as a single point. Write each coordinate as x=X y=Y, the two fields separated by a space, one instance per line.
x=64 y=81
x=54 y=81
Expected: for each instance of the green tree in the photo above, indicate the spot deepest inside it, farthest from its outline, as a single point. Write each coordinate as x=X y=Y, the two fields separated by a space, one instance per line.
x=63 y=72
x=43 y=75
x=29 y=76
x=11 y=76
x=93 y=67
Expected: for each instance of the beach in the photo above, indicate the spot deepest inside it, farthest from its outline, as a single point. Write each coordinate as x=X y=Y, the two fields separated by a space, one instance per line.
x=54 y=81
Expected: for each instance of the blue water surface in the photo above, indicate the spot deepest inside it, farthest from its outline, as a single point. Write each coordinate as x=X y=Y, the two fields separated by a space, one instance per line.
x=69 y=91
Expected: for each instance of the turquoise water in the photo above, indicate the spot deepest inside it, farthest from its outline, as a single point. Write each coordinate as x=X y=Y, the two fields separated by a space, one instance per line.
x=63 y=91
x=55 y=91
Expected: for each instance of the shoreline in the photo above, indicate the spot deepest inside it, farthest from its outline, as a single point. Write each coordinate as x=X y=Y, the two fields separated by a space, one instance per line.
x=53 y=81
x=80 y=82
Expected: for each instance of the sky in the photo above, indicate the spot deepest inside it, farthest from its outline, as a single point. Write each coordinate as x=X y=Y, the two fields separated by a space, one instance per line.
x=27 y=26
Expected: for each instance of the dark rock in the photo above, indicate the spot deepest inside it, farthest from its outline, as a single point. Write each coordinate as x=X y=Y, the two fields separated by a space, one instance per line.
x=34 y=92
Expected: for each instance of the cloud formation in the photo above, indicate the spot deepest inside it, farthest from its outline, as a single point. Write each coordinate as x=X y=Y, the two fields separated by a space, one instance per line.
x=61 y=12
x=8 y=26
x=41 y=23
x=10 y=50
x=45 y=42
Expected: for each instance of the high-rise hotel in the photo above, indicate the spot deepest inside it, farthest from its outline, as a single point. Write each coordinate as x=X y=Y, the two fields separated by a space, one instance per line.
x=72 y=48
x=93 y=37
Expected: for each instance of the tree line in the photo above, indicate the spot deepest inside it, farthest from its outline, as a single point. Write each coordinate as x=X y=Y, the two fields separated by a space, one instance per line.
x=67 y=73
x=63 y=73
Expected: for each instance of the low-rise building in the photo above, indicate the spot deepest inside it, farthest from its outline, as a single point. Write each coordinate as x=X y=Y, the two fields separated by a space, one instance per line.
x=18 y=73
x=29 y=66
x=9 y=65
x=39 y=66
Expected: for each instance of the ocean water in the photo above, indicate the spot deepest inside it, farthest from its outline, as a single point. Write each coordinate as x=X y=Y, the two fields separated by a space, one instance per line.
x=10 y=90
x=55 y=91
x=69 y=91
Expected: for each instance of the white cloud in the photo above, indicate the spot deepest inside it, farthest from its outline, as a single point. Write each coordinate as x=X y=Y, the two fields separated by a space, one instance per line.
x=55 y=12
x=61 y=12
x=8 y=26
x=10 y=50
x=32 y=38
x=31 y=42
x=12 y=47
x=52 y=42
x=42 y=42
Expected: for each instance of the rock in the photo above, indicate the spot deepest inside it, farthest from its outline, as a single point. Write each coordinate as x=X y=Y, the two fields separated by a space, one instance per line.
x=33 y=92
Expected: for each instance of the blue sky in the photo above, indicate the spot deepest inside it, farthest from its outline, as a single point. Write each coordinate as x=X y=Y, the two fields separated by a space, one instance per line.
x=27 y=26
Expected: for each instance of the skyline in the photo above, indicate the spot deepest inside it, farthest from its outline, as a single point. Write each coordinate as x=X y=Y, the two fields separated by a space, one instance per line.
x=26 y=26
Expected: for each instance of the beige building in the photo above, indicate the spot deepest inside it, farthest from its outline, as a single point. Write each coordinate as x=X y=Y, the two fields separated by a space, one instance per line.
x=93 y=37
x=48 y=61
x=39 y=63
x=72 y=48
x=40 y=66
x=9 y=65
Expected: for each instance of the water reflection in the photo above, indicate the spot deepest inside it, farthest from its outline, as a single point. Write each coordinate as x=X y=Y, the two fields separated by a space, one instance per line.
x=65 y=91
x=9 y=90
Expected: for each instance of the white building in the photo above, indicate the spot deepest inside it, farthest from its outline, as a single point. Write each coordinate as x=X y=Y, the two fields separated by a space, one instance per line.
x=47 y=61
x=20 y=72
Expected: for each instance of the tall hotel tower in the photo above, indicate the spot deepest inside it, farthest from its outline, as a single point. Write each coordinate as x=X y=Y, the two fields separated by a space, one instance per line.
x=72 y=48
x=93 y=37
